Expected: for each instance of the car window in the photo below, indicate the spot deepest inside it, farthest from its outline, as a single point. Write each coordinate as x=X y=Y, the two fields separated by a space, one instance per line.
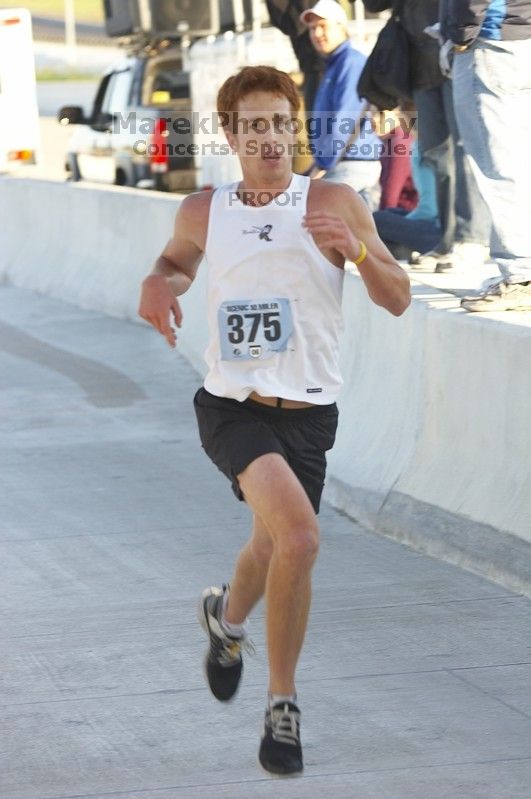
x=166 y=82
x=100 y=96
x=116 y=97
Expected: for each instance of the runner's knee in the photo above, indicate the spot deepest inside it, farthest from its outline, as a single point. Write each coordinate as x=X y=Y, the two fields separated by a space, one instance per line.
x=262 y=549
x=299 y=544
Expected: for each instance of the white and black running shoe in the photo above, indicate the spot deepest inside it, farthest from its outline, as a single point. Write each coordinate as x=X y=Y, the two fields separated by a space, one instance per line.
x=280 y=748
x=223 y=662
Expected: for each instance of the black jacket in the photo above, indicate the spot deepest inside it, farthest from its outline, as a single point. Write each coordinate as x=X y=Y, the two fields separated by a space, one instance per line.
x=284 y=15
x=461 y=20
x=417 y=15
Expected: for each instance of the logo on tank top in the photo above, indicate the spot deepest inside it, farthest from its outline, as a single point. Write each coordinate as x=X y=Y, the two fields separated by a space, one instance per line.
x=263 y=232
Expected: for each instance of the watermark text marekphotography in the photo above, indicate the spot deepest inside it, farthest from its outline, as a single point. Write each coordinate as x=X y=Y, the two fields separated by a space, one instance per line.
x=326 y=123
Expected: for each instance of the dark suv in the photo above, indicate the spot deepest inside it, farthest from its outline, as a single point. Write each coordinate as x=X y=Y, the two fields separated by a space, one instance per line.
x=139 y=132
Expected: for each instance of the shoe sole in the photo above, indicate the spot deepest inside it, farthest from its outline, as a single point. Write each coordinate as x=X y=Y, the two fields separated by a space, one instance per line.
x=280 y=775
x=422 y=267
x=476 y=309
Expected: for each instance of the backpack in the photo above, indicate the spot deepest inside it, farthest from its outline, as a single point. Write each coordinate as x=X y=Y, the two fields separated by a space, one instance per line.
x=385 y=79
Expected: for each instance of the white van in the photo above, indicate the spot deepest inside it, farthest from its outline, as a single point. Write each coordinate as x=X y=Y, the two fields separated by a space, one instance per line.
x=19 y=114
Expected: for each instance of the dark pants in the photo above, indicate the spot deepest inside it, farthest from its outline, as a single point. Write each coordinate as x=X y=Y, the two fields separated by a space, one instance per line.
x=233 y=434
x=462 y=211
x=394 y=228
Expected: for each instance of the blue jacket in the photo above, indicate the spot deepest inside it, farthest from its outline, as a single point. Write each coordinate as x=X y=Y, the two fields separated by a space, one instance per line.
x=336 y=110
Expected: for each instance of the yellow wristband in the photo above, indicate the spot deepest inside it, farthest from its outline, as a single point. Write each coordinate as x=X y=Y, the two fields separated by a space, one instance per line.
x=363 y=253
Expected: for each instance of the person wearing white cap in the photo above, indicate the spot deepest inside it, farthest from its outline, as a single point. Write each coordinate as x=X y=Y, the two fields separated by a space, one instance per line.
x=337 y=106
x=329 y=10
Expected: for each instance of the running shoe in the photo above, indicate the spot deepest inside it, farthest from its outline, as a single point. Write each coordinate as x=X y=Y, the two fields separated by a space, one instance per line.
x=500 y=296
x=223 y=662
x=280 y=748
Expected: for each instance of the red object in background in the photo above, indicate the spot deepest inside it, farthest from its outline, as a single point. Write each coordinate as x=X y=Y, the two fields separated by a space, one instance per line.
x=398 y=190
x=159 y=158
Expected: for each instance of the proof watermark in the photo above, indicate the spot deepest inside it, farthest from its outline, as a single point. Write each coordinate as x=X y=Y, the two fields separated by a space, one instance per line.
x=264 y=197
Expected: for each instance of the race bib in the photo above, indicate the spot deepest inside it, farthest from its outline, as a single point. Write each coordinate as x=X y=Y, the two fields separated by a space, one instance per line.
x=254 y=329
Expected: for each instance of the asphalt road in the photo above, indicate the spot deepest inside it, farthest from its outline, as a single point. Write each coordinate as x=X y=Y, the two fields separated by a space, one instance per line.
x=415 y=677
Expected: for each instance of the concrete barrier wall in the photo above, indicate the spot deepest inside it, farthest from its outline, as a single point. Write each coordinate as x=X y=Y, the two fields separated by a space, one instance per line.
x=434 y=440
x=434 y=444
x=92 y=247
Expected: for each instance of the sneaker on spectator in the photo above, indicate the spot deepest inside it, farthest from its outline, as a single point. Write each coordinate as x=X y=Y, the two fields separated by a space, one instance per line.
x=280 y=748
x=223 y=664
x=426 y=261
x=500 y=296
x=398 y=251
x=488 y=283
x=464 y=255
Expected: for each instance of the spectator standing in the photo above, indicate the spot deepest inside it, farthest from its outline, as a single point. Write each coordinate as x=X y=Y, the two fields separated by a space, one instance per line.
x=285 y=15
x=492 y=97
x=417 y=230
x=394 y=129
x=465 y=222
x=337 y=107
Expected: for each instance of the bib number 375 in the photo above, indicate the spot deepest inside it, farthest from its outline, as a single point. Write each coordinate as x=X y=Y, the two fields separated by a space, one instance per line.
x=254 y=329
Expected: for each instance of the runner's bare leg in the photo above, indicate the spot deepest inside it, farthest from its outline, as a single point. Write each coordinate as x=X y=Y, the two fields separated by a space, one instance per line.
x=248 y=583
x=275 y=494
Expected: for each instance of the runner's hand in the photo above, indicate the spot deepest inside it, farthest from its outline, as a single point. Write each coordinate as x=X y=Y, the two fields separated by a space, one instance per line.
x=158 y=305
x=330 y=231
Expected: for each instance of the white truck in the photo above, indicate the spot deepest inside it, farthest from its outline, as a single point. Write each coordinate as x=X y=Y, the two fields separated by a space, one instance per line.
x=19 y=114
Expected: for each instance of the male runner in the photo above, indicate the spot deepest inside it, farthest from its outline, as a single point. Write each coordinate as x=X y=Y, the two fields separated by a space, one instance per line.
x=267 y=411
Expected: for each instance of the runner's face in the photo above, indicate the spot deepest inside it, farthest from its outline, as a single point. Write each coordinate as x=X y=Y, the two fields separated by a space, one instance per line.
x=265 y=137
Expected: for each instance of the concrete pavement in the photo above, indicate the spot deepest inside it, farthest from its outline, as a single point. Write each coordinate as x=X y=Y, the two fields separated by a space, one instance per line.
x=415 y=679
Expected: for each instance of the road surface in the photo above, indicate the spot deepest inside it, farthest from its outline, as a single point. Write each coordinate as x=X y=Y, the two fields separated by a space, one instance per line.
x=415 y=682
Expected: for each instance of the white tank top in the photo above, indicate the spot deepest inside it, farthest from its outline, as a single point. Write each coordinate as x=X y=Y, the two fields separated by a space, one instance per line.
x=273 y=301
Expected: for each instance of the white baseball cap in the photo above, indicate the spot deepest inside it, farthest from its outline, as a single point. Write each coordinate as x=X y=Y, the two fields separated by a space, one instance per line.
x=326 y=9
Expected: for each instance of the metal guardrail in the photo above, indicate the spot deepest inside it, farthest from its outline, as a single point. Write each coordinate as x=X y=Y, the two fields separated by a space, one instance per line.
x=46 y=29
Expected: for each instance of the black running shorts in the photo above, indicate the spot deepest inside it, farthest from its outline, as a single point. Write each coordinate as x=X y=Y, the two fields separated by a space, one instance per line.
x=234 y=434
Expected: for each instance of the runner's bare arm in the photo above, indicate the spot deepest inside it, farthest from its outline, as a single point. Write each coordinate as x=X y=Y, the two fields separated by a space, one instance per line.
x=349 y=222
x=176 y=267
